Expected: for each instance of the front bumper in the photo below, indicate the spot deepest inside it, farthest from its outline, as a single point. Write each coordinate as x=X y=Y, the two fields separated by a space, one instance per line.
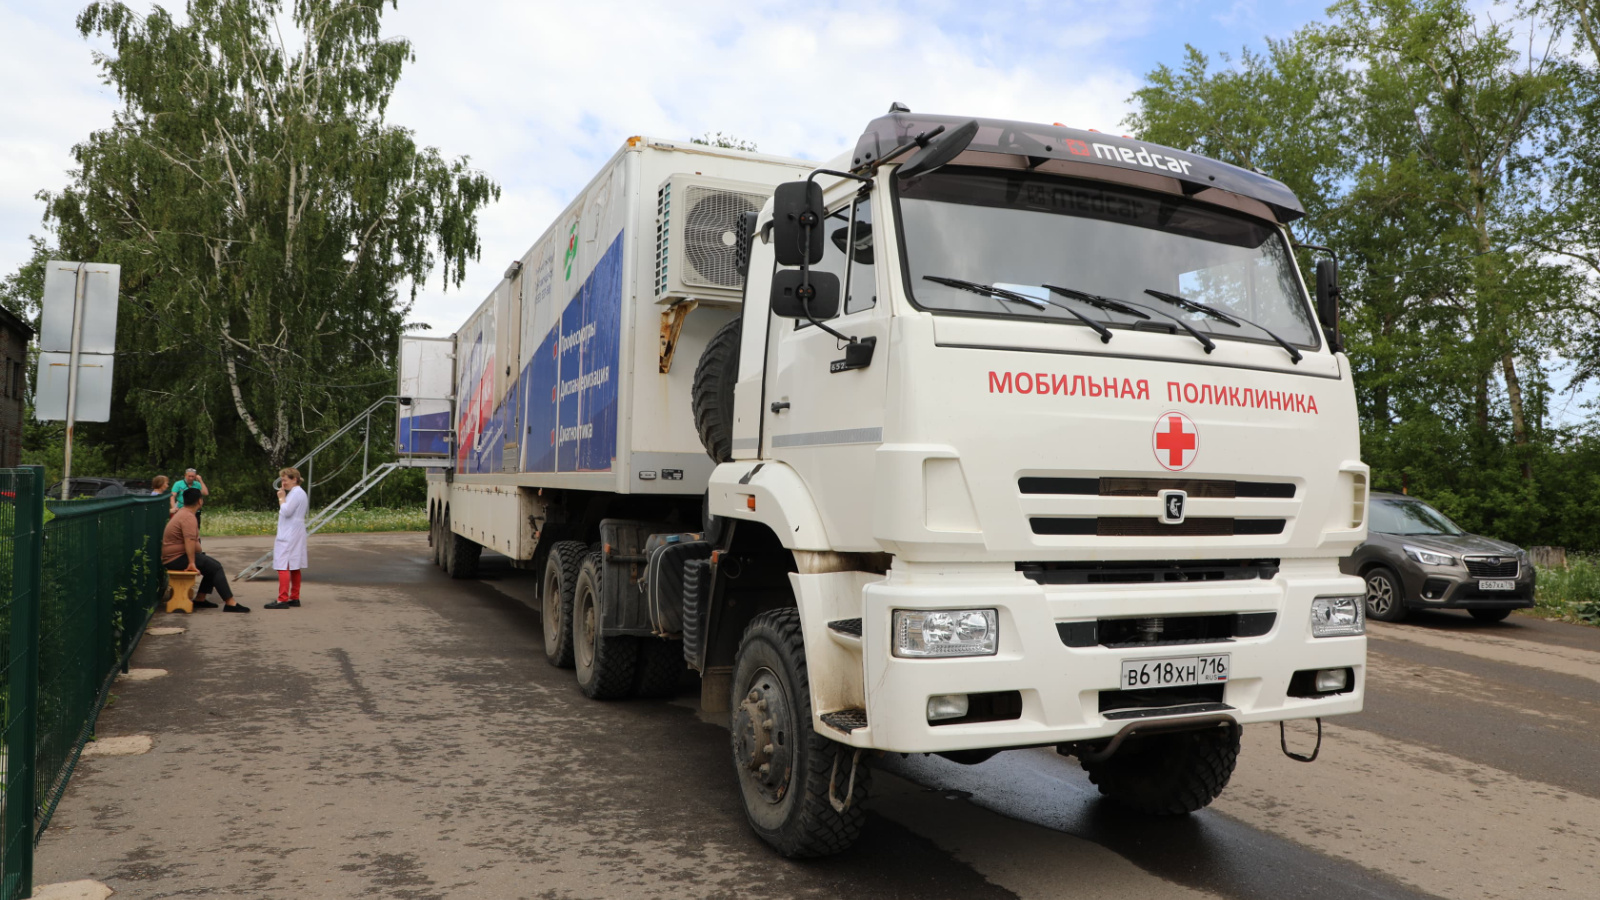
x=1060 y=686
x=1452 y=587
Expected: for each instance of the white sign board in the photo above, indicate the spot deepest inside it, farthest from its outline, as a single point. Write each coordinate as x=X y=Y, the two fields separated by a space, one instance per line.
x=94 y=387
x=81 y=296
x=100 y=282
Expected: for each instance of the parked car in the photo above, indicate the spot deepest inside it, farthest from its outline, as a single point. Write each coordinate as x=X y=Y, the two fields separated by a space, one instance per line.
x=100 y=487
x=1416 y=558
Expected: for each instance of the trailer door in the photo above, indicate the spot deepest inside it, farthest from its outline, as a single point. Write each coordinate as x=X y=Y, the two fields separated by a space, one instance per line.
x=427 y=376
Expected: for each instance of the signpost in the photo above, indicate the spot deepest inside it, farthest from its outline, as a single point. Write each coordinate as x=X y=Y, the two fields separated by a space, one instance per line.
x=77 y=343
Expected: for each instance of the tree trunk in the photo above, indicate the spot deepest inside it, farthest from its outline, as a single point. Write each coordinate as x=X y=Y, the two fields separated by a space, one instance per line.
x=1519 y=425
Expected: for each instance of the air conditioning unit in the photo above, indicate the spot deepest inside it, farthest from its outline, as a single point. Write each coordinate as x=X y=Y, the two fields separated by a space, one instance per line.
x=696 y=253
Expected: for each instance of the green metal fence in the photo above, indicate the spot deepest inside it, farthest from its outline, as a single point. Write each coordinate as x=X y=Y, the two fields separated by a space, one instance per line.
x=77 y=592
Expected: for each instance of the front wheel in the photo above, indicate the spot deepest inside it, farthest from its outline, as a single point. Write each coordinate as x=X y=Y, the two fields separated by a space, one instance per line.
x=1169 y=774
x=784 y=766
x=1490 y=615
x=1385 y=596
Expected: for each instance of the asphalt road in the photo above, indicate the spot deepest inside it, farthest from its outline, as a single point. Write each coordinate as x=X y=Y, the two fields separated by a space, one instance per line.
x=402 y=736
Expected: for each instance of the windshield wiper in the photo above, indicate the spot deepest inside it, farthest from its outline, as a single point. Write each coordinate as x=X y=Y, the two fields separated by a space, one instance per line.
x=1233 y=319
x=1135 y=309
x=1035 y=302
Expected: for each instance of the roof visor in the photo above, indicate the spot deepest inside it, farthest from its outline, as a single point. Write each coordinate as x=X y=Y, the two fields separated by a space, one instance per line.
x=1046 y=142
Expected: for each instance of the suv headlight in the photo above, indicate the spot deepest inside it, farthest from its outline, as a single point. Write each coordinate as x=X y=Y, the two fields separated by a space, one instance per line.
x=1340 y=616
x=946 y=632
x=1428 y=557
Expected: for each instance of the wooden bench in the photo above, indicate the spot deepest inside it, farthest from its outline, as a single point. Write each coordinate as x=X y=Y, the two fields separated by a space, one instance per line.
x=181 y=589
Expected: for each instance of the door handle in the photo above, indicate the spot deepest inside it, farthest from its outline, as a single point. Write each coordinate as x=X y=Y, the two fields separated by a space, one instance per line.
x=779 y=406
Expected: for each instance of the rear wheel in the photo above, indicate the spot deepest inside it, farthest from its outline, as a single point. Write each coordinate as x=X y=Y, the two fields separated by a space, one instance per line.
x=463 y=555
x=1385 y=596
x=605 y=665
x=784 y=766
x=1169 y=774
x=555 y=600
x=1490 y=615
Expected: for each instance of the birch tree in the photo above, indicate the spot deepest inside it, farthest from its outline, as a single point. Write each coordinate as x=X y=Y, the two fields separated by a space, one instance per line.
x=265 y=214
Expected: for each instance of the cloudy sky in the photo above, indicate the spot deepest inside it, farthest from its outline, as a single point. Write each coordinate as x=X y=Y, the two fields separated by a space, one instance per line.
x=539 y=94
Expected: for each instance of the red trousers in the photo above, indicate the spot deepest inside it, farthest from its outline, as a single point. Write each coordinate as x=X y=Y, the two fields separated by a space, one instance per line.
x=288 y=585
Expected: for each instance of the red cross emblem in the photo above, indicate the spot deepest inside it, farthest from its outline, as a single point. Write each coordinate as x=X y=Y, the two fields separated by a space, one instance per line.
x=1176 y=440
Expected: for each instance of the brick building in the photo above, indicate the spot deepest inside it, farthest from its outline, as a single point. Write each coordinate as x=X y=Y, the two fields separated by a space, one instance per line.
x=14 y=337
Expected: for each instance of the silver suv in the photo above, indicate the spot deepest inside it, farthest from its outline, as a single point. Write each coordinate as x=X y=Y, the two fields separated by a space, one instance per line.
x=1416 y=558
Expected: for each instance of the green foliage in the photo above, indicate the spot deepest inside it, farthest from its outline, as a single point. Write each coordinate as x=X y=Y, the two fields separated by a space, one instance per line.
x=357 y=520
x=725 y=141
x=1572 y=592
x=1437 y=153
x=264 y=214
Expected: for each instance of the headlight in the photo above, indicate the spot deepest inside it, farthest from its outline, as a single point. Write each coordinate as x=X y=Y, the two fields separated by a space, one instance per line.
x=1338 y=616
x=946 y=632
x=1428 y=557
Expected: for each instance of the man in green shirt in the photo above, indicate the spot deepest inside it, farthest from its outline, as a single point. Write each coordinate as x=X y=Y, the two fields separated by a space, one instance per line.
x=190 y=479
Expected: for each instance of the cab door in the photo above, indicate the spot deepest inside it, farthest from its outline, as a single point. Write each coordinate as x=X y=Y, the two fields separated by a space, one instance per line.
x=824 y=421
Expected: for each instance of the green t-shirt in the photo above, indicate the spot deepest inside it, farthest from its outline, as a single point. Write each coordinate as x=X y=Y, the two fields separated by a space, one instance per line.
x=182 y=486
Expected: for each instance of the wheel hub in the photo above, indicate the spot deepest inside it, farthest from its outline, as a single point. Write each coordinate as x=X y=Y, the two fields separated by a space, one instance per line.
x=762 y=735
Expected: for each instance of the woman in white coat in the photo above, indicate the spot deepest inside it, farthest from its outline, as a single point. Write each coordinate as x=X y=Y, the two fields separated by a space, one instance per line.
x=289 y=548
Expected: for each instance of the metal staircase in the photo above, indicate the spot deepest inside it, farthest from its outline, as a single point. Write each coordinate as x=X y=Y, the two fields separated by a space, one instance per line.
x=371 y=476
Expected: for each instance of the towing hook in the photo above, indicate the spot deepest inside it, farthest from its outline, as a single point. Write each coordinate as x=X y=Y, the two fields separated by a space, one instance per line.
x=1283 y=741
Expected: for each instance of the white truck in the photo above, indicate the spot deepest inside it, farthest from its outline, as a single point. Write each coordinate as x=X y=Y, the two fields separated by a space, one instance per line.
x=985 y=435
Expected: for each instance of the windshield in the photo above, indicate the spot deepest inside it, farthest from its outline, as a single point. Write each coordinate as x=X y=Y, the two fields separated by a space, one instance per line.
x=1021 y=231
x=1409 y=517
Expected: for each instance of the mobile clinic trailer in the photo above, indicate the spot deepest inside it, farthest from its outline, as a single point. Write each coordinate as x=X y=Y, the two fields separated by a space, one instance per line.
x=986 y=435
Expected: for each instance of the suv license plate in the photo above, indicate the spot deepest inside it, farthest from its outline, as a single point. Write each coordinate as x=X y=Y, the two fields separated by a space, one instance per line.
x=1497 y=585
x=1175 y=672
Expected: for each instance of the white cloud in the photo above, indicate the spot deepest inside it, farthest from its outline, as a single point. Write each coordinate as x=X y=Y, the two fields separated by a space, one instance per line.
x=540 y=94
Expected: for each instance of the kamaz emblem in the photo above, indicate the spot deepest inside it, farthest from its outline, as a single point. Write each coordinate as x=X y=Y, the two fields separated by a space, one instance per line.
x=1172 y=504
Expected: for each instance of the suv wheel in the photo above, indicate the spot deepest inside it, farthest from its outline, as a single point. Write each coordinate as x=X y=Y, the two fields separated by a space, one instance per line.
x=1385 y=596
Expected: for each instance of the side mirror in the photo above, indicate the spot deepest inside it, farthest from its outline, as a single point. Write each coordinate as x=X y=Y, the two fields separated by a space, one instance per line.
x=936 y=153
x=1328 y=301
x=797 y=212
x=790 y=295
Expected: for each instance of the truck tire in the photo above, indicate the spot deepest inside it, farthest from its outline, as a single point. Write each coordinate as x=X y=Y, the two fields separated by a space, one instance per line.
x=555 y=600
x=712 y=393
x=1386 y=595
x=463 y=555
x=784 y=766
x=660 y=669
x=1169 y=774
x=435 y=542
x=605 y=665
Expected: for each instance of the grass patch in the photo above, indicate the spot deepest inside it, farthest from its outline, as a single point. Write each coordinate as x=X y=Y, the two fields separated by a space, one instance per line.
x=1571 y=594
x=221 y=522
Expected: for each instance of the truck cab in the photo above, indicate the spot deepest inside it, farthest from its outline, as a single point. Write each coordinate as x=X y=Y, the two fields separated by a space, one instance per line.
x=1061 y=448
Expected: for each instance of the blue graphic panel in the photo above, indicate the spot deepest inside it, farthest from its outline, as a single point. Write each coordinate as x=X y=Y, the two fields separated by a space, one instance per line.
x=539 y=386
x=590 y=332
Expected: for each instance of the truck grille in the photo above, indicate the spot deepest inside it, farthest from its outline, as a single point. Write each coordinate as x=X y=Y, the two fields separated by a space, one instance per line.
x=1138 y=526
x=1160 y=631
x=1492 y=566
x=1149 y=487
x=1152 y=572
